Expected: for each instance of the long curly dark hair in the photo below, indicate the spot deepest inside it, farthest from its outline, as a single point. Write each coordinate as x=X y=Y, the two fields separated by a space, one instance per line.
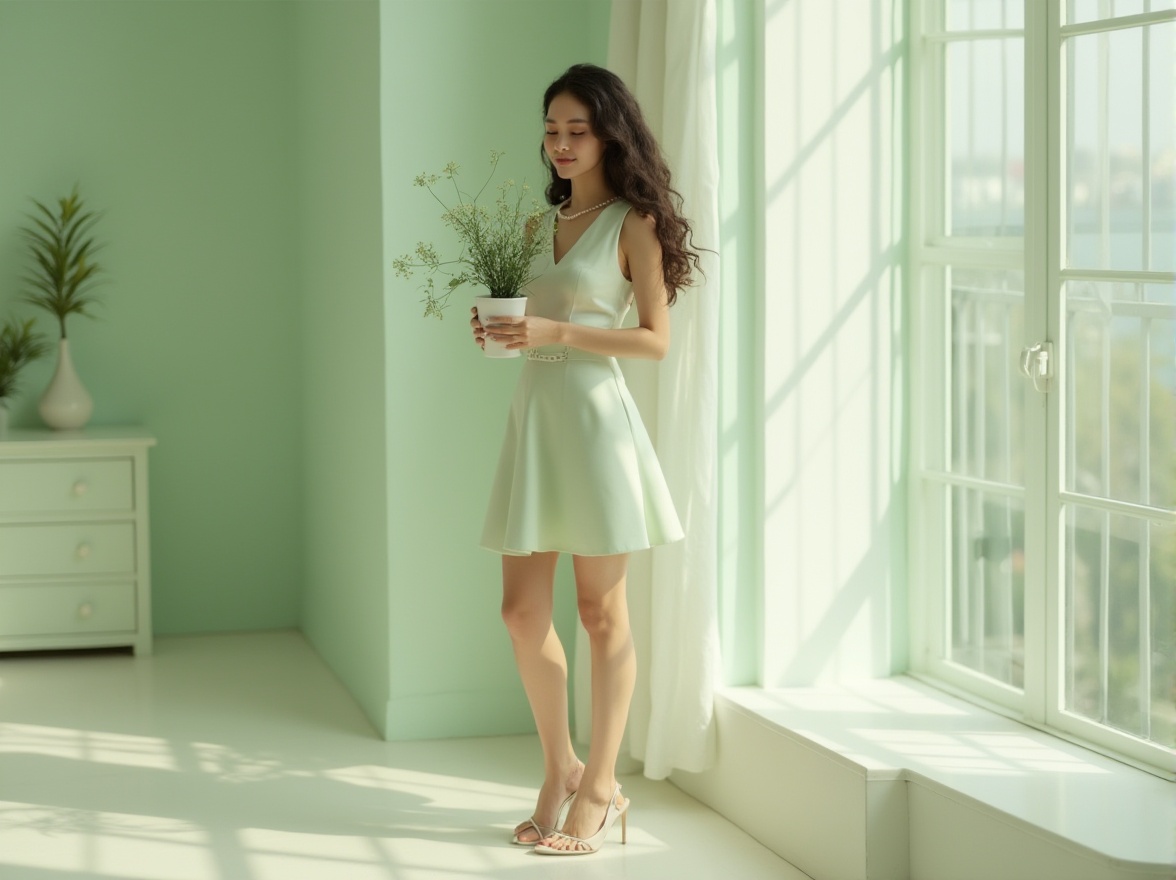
x=634 y=167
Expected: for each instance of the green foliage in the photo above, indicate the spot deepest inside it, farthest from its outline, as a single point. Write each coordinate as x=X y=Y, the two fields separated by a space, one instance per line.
x=497 y=243
x=19 y=347
x=64 y=273
x=1108 y=461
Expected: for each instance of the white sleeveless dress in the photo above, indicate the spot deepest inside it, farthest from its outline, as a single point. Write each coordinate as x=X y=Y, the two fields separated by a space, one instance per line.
x=577 y=472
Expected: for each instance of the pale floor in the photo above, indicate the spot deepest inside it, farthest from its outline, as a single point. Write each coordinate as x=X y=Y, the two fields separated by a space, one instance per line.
x=241 y=757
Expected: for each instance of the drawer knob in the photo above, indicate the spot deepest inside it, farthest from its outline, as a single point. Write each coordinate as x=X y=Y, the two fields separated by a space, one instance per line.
x=84 y=551
x=85 y=611
x=80 y=488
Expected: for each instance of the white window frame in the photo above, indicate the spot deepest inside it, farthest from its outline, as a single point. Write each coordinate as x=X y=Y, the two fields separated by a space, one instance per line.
x=1041 y=700
x=1143 y=753
x=932 y=252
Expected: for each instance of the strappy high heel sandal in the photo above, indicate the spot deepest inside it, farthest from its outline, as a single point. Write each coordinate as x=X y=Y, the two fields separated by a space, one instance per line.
x=542 y=830
x=594 y=842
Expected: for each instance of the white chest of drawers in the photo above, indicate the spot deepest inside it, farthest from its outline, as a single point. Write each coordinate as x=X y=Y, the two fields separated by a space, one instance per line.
x=74 y=540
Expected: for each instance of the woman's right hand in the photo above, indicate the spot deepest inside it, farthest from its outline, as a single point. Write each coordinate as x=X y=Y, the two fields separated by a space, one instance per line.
x=479 y=330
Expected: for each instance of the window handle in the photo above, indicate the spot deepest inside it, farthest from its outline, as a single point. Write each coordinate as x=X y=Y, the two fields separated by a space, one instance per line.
x=1037 y=365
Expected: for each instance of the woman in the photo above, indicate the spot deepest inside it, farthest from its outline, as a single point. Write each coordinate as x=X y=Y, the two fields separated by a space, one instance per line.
x=578 y=473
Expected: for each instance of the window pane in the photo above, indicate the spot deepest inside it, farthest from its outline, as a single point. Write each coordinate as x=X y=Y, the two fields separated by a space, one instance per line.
x=1163 y=634
x=974 y=15
x=988 y=565
x=985 y=137
x=1160 y=293
x=1120 y=395
x=1104 y=138
x=987 y=391
x=1116 y=673
x=1095 y=10
x=1162 y=56
x=1162 y=417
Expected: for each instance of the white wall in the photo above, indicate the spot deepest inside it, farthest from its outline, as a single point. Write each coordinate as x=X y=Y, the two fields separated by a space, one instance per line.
x=833 y=508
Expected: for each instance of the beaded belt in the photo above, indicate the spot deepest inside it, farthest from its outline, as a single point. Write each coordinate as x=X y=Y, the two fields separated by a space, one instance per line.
x=534 y=354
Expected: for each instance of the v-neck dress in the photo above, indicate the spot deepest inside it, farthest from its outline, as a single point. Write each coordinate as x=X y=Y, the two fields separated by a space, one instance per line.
x=577 y=472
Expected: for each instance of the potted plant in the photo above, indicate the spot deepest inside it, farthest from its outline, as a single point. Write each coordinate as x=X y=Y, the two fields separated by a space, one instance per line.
x=19 y=347
x=63 y=277
x=497 y=248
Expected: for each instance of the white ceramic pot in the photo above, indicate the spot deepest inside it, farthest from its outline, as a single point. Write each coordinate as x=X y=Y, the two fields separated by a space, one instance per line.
x=496 y=307
x=65 y=405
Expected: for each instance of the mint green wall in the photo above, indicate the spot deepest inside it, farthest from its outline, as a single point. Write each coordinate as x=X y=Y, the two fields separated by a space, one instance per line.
x=177 y=119
x=238 y=149
x=340 y=261
x=459 y=77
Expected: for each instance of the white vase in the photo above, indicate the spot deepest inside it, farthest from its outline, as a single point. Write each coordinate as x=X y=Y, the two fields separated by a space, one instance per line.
x=498 y=307
x=65 y=405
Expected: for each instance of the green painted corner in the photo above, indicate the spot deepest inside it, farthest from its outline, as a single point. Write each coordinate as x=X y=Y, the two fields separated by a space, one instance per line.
x=340 y=253
x=446 y=402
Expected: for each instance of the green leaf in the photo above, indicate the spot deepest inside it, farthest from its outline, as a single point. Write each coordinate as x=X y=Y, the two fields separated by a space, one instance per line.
x=62 y=251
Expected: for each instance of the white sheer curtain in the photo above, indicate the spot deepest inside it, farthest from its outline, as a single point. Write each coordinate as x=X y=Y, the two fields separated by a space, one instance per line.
x=665 y=52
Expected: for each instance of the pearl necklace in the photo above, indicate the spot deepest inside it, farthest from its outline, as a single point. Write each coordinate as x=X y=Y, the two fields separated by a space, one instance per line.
x=562 y=216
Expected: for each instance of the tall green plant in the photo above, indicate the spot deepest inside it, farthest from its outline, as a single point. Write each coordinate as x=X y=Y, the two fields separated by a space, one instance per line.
x=19 y=347
x=64 y=273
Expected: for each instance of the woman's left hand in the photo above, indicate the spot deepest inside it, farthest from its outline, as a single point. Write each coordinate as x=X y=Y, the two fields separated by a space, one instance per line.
x=527 y=331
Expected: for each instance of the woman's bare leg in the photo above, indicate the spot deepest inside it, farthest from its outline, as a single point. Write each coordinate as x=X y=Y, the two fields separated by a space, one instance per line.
x=527 y=586
x=600 y=591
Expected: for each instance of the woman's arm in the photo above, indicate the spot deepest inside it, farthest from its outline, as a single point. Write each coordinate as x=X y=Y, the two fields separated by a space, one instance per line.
x=641 y=253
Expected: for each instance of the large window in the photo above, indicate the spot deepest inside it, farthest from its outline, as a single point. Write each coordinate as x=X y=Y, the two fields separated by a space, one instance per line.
x=1044 y=244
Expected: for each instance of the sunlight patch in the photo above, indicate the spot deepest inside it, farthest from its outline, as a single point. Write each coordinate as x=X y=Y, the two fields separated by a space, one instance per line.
x=1032 y=753
x=87 y=745
x=332 y=847
x=119 y=844
x=435 y=790
x=286 y=855
x=940 y=750
x=230 y=765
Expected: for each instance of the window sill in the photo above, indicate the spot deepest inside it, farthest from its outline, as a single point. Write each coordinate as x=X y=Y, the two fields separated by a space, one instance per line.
x=900 y=728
